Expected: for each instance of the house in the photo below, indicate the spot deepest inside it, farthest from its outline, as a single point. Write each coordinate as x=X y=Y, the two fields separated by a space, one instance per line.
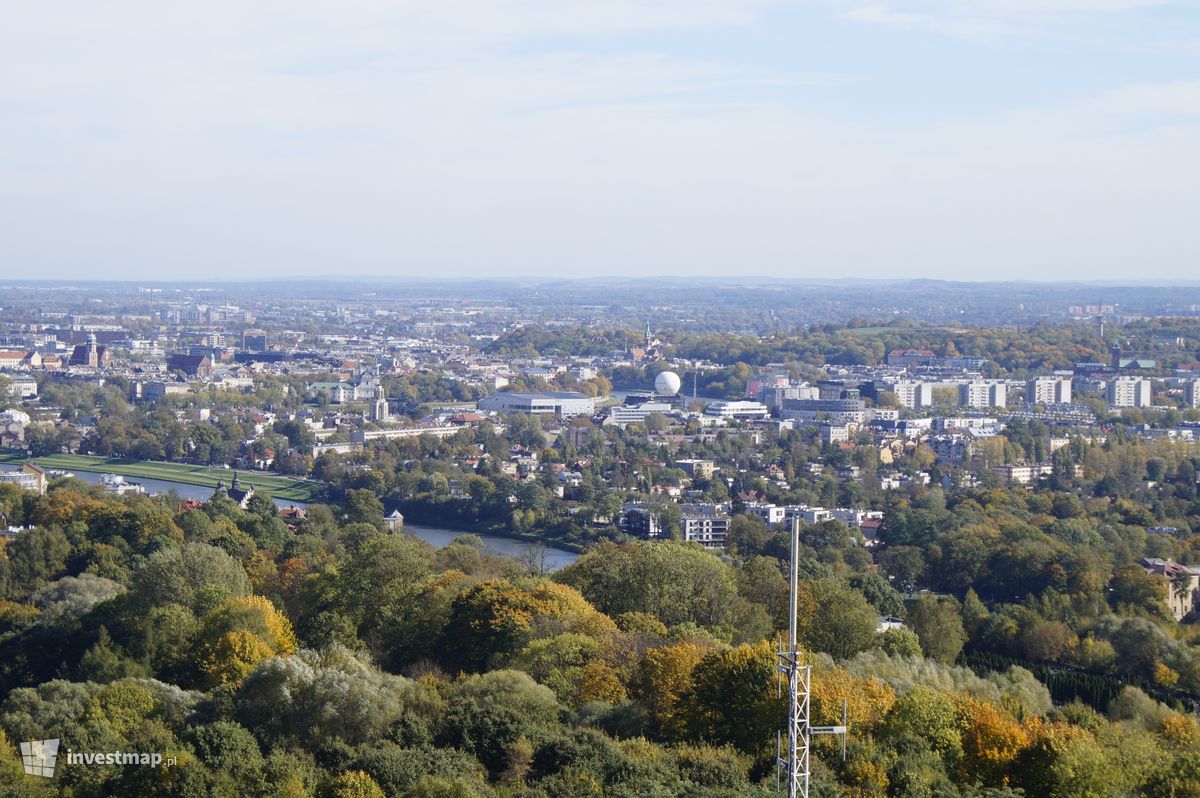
x=870 y=531
x=1184 y=583
x=12 y=427
x=28 y=477
x=293 y=514
x=20 y=359
x=697 y=469
x=23 y=387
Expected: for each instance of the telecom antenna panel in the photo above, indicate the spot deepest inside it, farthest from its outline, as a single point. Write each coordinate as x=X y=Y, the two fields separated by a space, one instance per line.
x=793 y=765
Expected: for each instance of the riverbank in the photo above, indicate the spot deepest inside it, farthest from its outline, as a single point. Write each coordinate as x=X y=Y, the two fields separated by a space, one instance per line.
x=278 y=487
x=553 y=557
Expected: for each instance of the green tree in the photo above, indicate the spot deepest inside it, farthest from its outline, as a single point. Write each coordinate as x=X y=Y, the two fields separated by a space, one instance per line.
x=900 y=642
x=68 y=599
x=927 y=715
x=315 y=697
x=842 y=623
x=674 y=582
x=939 y=626
x=364 y=507
x=732 y=700
x=189 y=575
x=34 y=558
x=1067 y=762
x=488 y=715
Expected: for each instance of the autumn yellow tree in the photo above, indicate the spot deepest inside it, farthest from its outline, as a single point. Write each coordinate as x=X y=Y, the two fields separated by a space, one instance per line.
x=238 y=635
x=991 y=740
x=494 y=619
x=867 y=701
x=355 y=784
x=664 y=677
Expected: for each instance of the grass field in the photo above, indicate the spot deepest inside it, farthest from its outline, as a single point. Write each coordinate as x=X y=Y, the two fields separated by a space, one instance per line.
x=277 y=486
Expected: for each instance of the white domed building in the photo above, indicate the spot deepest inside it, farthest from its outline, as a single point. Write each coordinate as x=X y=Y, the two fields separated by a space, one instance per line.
x=667 y=384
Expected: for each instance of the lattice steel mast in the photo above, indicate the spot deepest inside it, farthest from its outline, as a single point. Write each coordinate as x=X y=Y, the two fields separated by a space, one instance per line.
x=794 y=767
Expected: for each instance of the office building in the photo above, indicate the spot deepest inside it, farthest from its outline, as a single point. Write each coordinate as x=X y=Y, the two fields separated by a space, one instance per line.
x=557 y=403
x=842 y=411
x=737 y=410
x=621 y=415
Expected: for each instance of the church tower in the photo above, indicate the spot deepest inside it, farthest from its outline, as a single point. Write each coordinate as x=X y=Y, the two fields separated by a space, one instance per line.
x=379 y=407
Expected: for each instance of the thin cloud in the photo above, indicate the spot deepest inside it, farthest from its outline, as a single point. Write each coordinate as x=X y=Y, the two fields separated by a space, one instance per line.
x=944 y=24
x=975 y=19
x=515 y=136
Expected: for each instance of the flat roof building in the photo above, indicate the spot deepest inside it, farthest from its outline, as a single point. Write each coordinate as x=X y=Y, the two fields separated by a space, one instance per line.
x=1048 y=391
x=557 y=403
x=981 y=393
x=737 y=410
x=1130 y=392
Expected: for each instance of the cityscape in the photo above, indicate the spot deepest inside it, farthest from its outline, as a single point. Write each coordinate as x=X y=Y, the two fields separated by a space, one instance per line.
x=600 y=399
x=538 y=520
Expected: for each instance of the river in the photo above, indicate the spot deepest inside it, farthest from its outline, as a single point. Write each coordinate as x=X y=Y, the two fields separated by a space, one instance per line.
x=436 y=536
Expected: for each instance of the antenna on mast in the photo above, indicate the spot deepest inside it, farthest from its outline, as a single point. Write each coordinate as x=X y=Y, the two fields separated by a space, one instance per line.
x=795 y=766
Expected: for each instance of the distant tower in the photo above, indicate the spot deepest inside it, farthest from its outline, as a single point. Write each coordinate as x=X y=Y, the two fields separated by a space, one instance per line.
x=379 y=407
x=649 y=336
x=93 y=351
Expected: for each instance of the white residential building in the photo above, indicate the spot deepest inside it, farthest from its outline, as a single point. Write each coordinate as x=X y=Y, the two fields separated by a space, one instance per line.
x=913 y=393
x=1048 y=391
x=23 y=387
x=1191 y=393
x=983 y=393
x=770 y=513
x=1130 y=392
x=835 y=433
x=841 y=411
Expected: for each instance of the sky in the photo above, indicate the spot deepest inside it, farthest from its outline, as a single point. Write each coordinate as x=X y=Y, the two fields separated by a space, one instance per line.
x=949 y=139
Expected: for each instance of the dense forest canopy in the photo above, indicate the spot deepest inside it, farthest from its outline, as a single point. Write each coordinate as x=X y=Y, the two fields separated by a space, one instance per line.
x=325 y=656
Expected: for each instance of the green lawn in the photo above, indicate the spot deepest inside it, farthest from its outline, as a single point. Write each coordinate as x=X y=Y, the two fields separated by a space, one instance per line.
x=277 y=486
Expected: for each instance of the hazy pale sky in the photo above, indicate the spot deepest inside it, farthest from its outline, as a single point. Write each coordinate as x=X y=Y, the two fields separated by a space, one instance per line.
x=969 y=139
